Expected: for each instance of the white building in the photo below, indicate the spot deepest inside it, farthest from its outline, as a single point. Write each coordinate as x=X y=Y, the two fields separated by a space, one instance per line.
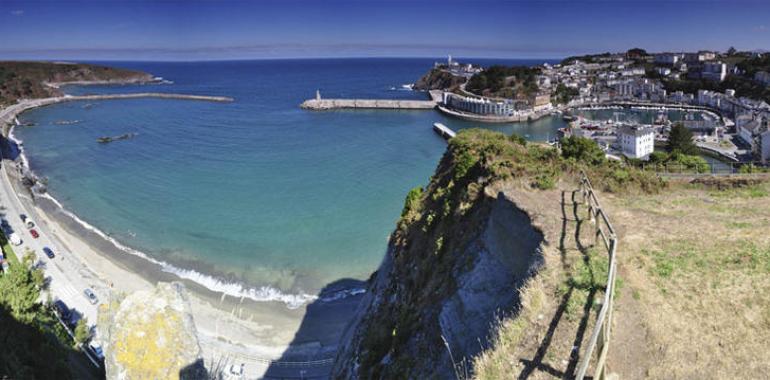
x=668 y=58
x=480 y=106
x=716 y=71
x=636 y=141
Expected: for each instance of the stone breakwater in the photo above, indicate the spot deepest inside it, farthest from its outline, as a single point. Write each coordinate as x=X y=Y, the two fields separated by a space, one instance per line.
x=8 y=114
x=328 y=104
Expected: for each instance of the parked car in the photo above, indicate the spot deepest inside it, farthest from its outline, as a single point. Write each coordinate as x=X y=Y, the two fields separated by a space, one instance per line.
x=27 y=221
x=49 y=252
x=62 y=310
x=91 y=296
x=34 y=233
x=96 y=349
x=15 y=239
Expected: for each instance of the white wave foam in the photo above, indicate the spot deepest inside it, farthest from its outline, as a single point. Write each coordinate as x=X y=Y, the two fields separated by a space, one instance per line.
x=343 y=294
x=259 y=294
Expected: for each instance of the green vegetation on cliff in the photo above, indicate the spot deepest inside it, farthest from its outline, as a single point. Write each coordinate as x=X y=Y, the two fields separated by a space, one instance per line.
x=505 y=82
x=443 y=245
x=26 y=80
x=34 y=345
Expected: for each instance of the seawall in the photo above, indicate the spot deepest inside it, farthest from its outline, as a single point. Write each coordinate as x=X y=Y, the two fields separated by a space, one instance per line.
x=8 y=114
x=328 y=104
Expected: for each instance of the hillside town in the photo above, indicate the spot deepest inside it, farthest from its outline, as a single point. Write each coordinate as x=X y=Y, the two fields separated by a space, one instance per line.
x=735 y=122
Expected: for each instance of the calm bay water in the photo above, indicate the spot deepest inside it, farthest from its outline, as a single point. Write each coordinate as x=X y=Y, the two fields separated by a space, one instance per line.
x=256 y=191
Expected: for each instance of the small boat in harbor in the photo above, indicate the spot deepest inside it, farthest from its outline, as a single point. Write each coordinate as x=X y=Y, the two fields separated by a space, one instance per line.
x=107 y=139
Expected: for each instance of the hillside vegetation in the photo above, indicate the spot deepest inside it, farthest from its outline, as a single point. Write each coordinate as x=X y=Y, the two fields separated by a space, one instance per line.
x=505 y=82
x=465 y=250
x=34 y=345
x=23 y=80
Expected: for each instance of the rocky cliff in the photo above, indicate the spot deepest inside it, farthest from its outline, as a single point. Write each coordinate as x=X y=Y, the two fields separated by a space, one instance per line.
x=455 y=264
x=151 y=335
x=438 y=79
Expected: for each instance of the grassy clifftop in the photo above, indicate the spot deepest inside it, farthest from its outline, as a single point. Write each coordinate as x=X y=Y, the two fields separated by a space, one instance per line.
x=464 y=250
x=19 y=80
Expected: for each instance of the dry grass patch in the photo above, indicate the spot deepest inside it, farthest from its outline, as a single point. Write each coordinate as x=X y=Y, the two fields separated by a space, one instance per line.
x=698 y=262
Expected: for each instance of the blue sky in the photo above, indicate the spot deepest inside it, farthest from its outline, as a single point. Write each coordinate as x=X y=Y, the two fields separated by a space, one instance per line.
x=200 y=30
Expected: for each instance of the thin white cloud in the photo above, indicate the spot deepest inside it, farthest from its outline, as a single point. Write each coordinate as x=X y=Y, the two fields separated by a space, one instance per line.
x=760 y=28
x=17 y=12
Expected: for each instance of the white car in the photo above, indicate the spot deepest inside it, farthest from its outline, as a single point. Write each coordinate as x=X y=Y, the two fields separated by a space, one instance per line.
x=14 y=239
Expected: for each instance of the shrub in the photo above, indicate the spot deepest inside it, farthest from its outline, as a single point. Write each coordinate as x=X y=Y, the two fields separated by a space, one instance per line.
x=545 y=182
x=582 y=149
x=412 y=202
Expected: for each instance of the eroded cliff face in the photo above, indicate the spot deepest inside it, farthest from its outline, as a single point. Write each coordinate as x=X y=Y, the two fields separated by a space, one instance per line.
x=455 y=264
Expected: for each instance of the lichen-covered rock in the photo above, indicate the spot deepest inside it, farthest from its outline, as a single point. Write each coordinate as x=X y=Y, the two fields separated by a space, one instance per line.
x=151 y=335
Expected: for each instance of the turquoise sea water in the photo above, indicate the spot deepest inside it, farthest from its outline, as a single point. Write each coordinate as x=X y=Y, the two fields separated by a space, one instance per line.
x=256 y=192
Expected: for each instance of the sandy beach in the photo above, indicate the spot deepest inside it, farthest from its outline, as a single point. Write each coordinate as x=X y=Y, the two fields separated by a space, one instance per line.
x=270 y=338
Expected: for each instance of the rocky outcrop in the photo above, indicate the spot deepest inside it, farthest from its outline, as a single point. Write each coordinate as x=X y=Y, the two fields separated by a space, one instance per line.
x=438 y=79
x=454 y=266
x=151 y=335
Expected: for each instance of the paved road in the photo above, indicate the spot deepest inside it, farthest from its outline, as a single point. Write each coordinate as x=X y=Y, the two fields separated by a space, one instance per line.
x=68 y=278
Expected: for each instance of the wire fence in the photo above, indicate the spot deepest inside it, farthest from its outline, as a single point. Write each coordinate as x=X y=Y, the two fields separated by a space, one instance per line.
x=598 y=345
x=707 y=169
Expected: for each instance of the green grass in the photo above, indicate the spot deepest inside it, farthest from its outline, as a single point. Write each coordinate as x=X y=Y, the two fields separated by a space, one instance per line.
x=687 y=257
x=8 y=252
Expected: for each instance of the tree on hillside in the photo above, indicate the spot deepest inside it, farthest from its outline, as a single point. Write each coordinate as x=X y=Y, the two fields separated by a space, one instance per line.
x=582 y=149
x=636 y=53
x=731 y=51
x=82 y=332
x=680 y=140
x=20 y=290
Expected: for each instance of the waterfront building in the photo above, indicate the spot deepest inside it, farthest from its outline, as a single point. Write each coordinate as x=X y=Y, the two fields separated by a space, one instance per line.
x=664 y=71
x=540 y=101
x=480 y=106
x=636 y=141
x=749 y=131
x=716 y=71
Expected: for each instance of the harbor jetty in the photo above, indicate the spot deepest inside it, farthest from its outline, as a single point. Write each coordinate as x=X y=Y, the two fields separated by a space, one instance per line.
x=444 y=131
x=8 y=115
x=319 y=104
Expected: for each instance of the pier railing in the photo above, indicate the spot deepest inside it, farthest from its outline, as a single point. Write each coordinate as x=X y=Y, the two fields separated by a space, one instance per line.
x=598 y=345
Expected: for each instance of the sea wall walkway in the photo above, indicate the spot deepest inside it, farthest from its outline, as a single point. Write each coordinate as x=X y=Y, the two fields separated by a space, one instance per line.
x=329 y=104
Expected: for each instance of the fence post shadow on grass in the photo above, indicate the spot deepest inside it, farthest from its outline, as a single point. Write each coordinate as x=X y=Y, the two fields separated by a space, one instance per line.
x=537 y=362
